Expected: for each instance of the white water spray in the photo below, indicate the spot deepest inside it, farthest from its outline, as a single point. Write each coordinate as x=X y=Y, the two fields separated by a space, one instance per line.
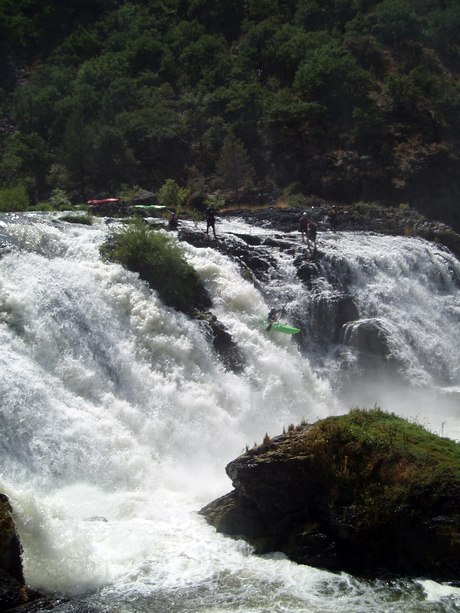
x=118 y=422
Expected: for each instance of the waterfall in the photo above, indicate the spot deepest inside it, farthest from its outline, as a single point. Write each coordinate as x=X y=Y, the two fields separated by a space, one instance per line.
x=118 y=419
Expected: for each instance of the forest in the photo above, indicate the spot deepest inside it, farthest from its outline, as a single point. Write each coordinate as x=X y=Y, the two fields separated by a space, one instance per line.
x=344 y=100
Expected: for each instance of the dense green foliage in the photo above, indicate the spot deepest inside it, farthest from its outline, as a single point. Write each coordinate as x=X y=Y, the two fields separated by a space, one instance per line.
x=383 y=459
x=14 y=198
x=96 y=95
x=160 y=261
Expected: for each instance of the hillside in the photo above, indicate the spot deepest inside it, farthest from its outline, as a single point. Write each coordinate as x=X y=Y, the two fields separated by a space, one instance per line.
x=349 y=101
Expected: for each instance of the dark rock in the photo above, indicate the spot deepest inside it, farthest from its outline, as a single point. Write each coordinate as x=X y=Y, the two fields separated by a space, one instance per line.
x=250 y=239
x=308 y=268
x=331 y=314
x=12 y=592
x=10 y=547
x=145 y=198
x=368 y=335
x=235 y=246
x=235 y=516
x=375 y=357
x=222 y=341
x=115 y=209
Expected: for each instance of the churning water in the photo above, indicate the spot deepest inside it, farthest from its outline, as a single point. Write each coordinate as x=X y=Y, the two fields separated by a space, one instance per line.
x=118 y=420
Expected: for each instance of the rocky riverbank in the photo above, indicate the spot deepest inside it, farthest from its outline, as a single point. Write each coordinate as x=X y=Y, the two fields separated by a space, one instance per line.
x=383 y=218
x=367 y=493
x=361 y=217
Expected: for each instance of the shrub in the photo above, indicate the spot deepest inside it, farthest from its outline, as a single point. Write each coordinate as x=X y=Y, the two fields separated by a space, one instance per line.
x=172 y=195
x=297 y=200
x=60 y=199
x=14 y=199
x=127 y=193
x=83 y=219
x=215 y=199
x=159 y=260
x=369 y=210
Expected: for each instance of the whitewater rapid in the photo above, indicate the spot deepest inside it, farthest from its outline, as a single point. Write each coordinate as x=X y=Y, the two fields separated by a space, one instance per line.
x=118 y=420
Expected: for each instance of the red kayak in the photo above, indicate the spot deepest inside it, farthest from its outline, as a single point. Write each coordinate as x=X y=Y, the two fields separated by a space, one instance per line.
x=105 y=201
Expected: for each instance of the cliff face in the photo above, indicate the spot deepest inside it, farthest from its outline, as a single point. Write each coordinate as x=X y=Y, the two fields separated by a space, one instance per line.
x=339 y=496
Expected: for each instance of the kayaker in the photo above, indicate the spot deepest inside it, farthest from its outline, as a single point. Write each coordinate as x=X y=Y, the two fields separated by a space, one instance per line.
x=273 y=316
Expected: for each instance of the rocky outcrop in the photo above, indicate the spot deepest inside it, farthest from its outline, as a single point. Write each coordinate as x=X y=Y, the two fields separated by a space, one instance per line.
x=12 y=585
x=222 y=342
x=352 y=493
x=333 y=313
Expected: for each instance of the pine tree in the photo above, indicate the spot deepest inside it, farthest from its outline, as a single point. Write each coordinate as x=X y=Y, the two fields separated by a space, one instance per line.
x=233 y=166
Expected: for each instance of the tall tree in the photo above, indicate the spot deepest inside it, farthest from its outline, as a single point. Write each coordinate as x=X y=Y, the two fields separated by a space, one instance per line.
x=77 y=152
x=233 y=166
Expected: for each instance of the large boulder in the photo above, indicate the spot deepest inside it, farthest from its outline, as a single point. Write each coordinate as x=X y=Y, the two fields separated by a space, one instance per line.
x=367 y=492
x=371 y=339
x=145 y=198
x=367 y=335
x=331 y=313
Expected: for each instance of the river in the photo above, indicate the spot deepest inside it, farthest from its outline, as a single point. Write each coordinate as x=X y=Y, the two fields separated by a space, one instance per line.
x=118 y=419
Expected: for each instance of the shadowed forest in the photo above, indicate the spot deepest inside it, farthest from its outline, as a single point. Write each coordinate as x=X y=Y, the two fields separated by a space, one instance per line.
x=346 y=100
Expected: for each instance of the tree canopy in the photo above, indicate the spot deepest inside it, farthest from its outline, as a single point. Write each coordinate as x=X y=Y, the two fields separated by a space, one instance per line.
x=96 y=95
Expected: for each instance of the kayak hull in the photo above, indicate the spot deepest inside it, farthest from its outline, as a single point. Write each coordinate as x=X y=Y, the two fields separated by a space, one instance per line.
x=104 y=201
x=278 y=326
x=149 y=206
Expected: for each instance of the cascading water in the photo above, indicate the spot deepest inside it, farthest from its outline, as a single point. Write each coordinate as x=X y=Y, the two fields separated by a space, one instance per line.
x=118 y=419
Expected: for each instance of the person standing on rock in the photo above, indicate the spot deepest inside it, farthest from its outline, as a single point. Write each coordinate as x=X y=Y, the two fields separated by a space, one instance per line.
x=332 y=214
x=303 y=225
x=311 y=234
x=211 y=219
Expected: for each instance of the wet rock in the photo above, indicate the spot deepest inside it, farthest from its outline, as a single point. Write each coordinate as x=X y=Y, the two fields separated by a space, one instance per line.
x=10 y=547
x=307 y=270
x=367 y=335
x=250 y=239
x=222 y=342
x=13 y=592
x=332 y=313
x=236 y=247
x=375 y=356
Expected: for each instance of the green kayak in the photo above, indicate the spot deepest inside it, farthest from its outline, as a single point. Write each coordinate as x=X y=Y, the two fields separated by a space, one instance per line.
x=280 y=327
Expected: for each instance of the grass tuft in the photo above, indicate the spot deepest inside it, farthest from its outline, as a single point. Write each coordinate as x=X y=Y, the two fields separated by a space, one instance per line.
x=379 y=461
x=82 y=219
